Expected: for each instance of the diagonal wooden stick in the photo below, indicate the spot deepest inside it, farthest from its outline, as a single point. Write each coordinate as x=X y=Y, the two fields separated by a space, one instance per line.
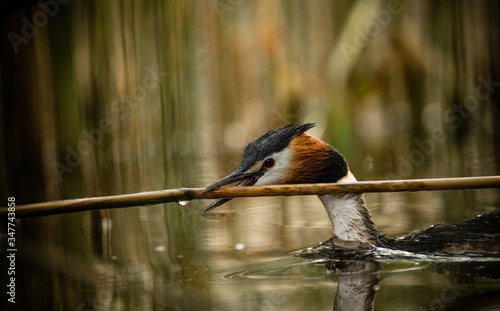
x=188 y=194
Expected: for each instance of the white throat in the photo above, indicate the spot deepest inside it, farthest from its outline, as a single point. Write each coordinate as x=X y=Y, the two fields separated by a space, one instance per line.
x=349 y=215
x=349 y=178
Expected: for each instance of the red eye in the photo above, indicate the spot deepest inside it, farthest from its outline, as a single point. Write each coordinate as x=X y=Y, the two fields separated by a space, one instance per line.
x=268 y=163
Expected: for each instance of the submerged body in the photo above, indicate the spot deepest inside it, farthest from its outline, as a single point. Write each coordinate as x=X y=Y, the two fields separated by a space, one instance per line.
x=288 y=155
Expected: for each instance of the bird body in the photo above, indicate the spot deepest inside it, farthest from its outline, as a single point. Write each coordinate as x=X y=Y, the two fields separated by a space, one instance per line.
x=288 y=155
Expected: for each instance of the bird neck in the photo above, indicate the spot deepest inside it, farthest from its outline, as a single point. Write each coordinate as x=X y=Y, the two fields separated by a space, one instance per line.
x=351 y=219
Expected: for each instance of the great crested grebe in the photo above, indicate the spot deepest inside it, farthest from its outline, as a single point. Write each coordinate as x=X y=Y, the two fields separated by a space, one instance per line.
x=288 y=155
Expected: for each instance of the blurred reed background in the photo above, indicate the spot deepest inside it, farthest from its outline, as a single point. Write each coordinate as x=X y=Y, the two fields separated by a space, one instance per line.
x=102 y=98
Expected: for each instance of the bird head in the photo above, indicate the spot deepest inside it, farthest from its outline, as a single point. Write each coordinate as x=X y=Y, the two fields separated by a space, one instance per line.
x=285 y=155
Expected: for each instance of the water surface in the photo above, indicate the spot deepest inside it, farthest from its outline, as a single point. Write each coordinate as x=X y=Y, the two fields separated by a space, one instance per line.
x=129 y=96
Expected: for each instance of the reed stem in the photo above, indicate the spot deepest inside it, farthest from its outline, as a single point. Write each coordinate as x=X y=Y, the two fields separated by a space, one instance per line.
x=188 y=194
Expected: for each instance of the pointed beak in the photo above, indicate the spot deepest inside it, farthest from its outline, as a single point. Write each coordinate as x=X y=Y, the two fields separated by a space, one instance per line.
x=245 y=179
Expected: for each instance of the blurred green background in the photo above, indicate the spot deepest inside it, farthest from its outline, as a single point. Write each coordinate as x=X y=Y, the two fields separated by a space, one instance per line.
x=114 y=97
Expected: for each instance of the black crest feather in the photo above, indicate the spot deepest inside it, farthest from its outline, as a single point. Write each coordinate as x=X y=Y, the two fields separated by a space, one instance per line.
x=271 y=142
